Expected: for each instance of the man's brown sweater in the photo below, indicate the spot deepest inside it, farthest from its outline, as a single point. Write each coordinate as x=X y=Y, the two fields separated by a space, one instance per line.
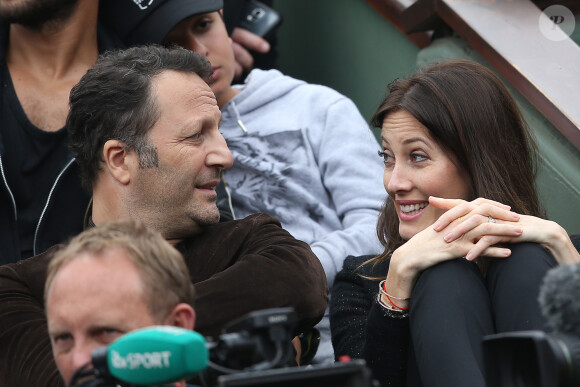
x=237 y=267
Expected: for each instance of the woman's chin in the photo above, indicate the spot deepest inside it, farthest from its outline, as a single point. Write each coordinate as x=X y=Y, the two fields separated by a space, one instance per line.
x=408 y=231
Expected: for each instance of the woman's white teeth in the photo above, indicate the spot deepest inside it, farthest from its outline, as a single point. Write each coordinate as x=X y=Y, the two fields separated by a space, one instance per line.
x=413 y=207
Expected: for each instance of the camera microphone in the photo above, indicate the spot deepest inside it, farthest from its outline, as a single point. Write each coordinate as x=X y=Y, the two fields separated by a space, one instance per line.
x=560 y=299
x=253 y=350
x=152 y=355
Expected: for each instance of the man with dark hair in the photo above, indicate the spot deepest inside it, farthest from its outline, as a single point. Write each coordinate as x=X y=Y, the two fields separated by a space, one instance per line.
x=144 y=126
x=108 y=281
x=303 y=153
x=45 y=48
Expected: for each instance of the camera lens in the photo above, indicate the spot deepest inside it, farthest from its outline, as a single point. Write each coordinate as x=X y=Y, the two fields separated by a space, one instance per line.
x=525 y=367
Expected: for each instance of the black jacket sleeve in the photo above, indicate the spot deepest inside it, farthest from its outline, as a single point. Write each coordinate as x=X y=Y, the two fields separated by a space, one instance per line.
x=361 y=328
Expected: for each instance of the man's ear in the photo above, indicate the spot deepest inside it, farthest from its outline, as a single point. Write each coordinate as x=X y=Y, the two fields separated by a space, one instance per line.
x=182 y=316
x=118 y=161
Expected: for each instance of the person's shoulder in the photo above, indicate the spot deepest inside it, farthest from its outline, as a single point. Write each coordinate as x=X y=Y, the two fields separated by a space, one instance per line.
x=34 y=264
x=238 y=227
x=329 y=94
x=256 y=219
x=366 y=265
x=275 y=79
x=352 y=264
x=362 y=270
x=27 y=274
x=265 y=87
x=272 y=81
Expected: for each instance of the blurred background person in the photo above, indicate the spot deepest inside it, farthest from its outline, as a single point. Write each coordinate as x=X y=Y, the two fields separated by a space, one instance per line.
x=108 y=281
x=45 y=48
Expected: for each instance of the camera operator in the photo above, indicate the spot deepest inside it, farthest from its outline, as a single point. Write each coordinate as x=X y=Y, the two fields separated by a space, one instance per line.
x=110 y=280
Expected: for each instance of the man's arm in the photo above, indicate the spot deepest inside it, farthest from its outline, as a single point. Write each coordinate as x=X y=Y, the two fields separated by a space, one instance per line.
x=254 y=264
x=25 y=351
x=238 y=267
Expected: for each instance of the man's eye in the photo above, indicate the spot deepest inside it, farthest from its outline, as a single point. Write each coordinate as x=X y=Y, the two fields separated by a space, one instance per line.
x=62 y=337
x=62 y=343
x=107 y=335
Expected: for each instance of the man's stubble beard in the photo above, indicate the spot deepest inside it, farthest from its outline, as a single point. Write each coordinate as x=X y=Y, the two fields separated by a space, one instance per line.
x=37 y=14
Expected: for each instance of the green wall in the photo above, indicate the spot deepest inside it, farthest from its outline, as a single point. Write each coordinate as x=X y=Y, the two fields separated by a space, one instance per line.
x=344 y=44
x=347 y=45
x=558 y=179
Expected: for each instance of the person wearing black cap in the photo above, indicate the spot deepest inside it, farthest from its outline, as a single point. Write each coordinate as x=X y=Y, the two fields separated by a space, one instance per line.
x=45 y=47
x=150 y=23
x=302 y=153
x=141 y=22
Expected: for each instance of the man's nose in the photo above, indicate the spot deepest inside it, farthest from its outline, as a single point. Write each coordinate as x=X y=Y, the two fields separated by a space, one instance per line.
x=220 y=155
x=82 y=357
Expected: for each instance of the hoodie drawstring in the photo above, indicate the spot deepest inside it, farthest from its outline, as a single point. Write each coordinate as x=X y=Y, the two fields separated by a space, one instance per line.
x=238 y=118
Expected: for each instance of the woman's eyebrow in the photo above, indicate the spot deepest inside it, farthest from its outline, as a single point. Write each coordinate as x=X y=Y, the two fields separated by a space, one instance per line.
x=416 y=139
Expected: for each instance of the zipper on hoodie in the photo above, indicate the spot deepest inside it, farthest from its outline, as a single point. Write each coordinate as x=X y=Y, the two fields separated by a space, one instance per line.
x=47 y=203
x=8 y=189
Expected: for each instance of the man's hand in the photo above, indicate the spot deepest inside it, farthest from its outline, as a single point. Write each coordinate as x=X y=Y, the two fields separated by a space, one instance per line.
x=242 y=41
x=298 y=348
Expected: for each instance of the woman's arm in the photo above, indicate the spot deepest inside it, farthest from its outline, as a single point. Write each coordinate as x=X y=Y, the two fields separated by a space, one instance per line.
x=547 y=233
x=362 y=328
x=350 y=303
x=427 y=248
x=550 y=235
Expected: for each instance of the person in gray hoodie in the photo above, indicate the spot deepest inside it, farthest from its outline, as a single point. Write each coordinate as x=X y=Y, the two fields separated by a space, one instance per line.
x=302 y=152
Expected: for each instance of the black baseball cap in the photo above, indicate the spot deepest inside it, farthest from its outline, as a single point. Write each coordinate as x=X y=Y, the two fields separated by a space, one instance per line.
x=149 y=21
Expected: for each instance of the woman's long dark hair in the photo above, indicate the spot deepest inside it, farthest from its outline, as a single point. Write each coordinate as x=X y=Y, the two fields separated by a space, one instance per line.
x=470 y=113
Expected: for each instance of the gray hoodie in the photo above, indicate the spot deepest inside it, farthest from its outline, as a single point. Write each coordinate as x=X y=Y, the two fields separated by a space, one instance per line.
x=304 y=154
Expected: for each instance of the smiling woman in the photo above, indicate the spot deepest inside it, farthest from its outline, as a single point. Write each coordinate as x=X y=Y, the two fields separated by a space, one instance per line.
x=455 y=148
x=416 y=167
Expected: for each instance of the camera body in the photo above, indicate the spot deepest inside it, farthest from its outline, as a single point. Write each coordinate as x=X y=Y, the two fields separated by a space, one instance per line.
x=254 y=350
x=351 y=374
x=532 y=359
x=264 y=329
x=258 y=340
